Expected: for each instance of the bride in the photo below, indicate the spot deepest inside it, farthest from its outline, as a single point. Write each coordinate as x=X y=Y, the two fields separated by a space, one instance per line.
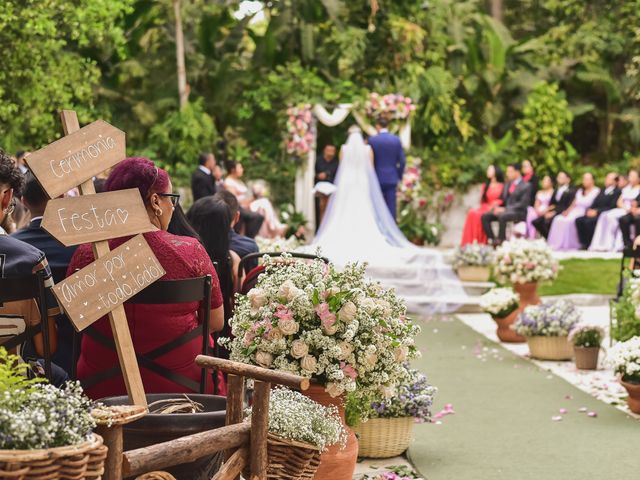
x=357 y=226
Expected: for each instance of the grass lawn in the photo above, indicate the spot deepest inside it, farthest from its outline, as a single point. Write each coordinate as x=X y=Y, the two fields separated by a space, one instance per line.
x=596 y=276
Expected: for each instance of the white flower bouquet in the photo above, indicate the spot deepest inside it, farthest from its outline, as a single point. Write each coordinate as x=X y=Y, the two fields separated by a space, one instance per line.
x=499 y=302
x=347 y=332
x=278 y=244
x=473 y=255
x=553 y=319
x=525 y=261
x=624 y=357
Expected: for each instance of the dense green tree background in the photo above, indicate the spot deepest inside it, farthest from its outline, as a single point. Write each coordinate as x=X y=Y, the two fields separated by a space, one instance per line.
x=552 y=80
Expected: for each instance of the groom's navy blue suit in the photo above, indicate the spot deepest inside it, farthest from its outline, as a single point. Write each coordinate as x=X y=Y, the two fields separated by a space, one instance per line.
x=389 y=164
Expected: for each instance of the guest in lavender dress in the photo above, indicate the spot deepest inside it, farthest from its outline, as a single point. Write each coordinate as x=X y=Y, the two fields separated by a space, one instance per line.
x=563 y=234
x=607 y=228
x=540 y=206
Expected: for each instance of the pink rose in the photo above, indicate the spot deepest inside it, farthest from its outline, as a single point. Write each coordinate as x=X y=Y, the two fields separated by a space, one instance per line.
x=531 y=265
x=283 y=313
x=248 y=338
x=326 y=317
x=348 y=370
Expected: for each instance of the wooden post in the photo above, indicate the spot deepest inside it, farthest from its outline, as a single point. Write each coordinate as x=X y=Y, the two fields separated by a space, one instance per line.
x=119 y=326
x=233 y=467
x=259 y=430
x=112 y=436
x=235 y=406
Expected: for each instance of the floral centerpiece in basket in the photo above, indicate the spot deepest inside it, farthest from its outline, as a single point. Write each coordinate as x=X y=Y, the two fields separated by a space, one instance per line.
x=45 y=427
x=586 y=341
x=546 y=327
x=346 y=332
x=389 y=431
x=502 y=304
x=525 y=263
x=473 y=261
x=624 y=357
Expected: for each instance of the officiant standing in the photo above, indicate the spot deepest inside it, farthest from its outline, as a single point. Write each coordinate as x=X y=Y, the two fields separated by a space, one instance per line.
x=326 y=169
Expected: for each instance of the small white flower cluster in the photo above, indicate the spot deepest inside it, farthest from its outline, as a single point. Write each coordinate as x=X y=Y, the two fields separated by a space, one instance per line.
x=552 y=319
x=473 y=254
x=624 y=357
x=294 y=416
x=307 y=318
x=271 y=245
x=524 y=261
x=45 y=417
x=499 y=302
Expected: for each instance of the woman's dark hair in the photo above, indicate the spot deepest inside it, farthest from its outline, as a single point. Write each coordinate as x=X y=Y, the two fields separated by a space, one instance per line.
x=10 y=174
x=499 y=178
x=211 y=219
x=230 y=166
x=179 y=224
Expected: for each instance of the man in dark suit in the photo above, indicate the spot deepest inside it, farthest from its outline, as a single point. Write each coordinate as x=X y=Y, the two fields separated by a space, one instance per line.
x=515 y=198
x=561 y=199
x=203 y=182
x=389 y=162
x=631 y=218
x=606 y=200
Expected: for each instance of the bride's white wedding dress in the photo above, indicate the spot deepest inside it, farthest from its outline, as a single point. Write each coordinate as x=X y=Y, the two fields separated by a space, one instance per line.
x=357 y=226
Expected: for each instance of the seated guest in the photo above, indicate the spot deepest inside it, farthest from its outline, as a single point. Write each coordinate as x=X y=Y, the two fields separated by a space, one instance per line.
x=250 y=222
x=218 y=175
x=529 y=176
x=626 y=221
x=605 y=201
x=540 y=205
x=271 y=227
x=563 y=234
x=491 y=196
x=203 y=183
x=239 y=244
x=607 y=228
x=515 y=197
x=561 y=199
x=152 y=325
x=179 y=224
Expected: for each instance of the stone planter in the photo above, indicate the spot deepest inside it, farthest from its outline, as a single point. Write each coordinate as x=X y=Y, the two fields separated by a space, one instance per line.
x=550 y=348
x=633 y=400
x=473 y=273
x=586 y=357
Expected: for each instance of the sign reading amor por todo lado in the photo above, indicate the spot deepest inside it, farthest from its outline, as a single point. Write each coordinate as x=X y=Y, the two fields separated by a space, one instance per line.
x=108 y=282
x=91 y=218
x=75 y=158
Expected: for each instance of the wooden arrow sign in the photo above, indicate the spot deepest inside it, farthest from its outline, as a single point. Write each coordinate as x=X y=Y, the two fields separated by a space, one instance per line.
x=91 y=218
x=77 y=157
x=108 y=282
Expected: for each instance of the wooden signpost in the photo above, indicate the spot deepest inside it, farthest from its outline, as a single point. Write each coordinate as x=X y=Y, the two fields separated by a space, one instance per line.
x=103 y=286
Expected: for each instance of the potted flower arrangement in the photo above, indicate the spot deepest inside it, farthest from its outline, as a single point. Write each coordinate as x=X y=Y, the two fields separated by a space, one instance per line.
x=473 y=262
x=44 y=428
x=523 y=264
x=546 y=328
x=586 y=341
x=502 y=304
x=347 y=333
x=624 y=357
x=299 y=430
x=389 y=430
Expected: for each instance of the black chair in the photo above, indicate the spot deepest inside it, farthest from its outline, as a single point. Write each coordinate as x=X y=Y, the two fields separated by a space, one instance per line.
x=30 y=287
x=162 y=293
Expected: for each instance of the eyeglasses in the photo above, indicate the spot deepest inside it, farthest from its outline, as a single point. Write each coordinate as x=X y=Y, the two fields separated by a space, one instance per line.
x=174 y=197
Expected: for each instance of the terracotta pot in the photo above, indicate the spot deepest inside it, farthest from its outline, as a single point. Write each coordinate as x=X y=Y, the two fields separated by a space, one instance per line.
x=504 y=331
x=528 y=293
x=335 y=463
x=418 y=241
x=550 y=348
x=586 y=357
x=633 y=400
x=473 y=273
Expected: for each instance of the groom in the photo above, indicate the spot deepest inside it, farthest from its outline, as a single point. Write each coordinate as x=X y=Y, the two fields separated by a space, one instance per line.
x=389 y=162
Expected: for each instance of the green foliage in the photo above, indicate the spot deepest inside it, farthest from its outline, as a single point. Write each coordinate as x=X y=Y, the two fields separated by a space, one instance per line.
x=14 y=377
x=543 y=128
x=625 y=321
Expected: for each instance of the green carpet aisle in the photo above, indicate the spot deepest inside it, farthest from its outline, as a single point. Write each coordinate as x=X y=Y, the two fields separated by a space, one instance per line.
x=503 y=427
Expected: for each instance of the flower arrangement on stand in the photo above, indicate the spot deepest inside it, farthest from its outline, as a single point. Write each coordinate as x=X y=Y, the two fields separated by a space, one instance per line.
x=299 y=139
x=45 y=428
x=502 y=304
x=344 y=331
x=392 y=106
x=524 y=264
x=546 y=328
x=586 y=341
x=473 y=261
x=624 y=357
x=389 y=430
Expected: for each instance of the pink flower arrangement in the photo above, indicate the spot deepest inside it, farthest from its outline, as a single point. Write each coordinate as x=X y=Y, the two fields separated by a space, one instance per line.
x=393 y=106
x=300 y=135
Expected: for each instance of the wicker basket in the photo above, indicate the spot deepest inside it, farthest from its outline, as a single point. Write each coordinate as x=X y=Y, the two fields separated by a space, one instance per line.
x=550 y=348
x=290 y=460
x=384 y=437
x=75 y=462
x=473 y=273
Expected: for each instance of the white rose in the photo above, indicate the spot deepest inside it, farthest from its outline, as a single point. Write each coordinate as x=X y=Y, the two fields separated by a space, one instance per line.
x=299 y=349
x=345 y=350
x=275 y=334
x=348 y=312
x=371 y=359
x=288 y=326
x=385 y=307
x=257 y=297
x=401 y=353
x=333 y=389
x=332 y=291
x=289 y=291
x=309 y=363
x=368 y=304
x=264 y=359
x=330 y=329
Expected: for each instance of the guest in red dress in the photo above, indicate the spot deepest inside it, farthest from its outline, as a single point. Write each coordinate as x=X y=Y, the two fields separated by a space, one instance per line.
x=152 y=325
x=491 y=197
